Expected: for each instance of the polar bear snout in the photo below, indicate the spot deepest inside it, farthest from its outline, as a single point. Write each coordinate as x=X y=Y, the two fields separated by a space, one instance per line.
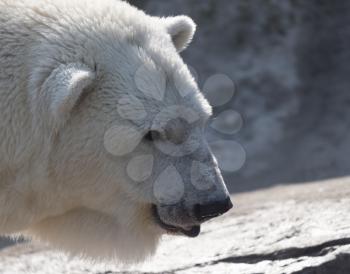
x=185 y=219
x=190 y=191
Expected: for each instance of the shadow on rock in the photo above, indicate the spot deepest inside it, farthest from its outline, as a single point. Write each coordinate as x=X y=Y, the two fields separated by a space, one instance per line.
x=340 y=265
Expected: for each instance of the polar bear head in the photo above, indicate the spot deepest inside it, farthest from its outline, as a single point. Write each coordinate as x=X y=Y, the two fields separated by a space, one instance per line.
x=123 y=121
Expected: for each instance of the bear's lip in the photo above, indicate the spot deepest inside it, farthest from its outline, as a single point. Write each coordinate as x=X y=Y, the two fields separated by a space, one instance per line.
x=192 y=232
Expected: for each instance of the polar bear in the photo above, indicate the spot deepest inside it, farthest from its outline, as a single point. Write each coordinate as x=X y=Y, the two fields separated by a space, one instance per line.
x=101 y=135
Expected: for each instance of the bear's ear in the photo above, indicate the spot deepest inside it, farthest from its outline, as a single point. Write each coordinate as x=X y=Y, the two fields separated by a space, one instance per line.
x=61 y=91
x=181 y=29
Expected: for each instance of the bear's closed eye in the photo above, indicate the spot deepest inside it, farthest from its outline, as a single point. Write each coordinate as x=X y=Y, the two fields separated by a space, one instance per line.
x=152 y=135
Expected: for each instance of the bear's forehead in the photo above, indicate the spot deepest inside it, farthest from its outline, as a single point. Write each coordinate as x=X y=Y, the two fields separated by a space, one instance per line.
x=165 y=84
x=153 y=80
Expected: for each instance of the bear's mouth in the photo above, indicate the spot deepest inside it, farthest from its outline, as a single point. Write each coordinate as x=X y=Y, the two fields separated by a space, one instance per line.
x=192 y=231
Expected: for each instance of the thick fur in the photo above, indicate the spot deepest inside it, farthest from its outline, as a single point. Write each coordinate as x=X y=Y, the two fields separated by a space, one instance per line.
x=65 y=65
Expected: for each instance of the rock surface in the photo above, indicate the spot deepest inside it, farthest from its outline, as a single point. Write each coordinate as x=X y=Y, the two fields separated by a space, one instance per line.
x=286 y=229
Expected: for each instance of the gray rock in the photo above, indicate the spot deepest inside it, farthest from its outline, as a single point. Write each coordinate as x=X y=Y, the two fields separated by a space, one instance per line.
x=5 y=242
x=287 y=229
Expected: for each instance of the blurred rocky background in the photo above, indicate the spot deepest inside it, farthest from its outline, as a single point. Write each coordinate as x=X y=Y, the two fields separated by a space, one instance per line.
x=289 y=61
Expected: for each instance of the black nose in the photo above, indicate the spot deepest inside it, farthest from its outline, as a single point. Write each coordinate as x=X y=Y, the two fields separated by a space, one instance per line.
x=213 y=209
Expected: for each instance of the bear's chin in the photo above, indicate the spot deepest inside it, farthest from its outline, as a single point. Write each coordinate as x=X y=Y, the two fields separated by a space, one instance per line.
x=89 y=234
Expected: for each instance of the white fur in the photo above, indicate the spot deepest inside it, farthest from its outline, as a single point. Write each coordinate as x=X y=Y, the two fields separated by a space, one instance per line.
x=61 y=91
x=65 y=68
x=181 y=29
